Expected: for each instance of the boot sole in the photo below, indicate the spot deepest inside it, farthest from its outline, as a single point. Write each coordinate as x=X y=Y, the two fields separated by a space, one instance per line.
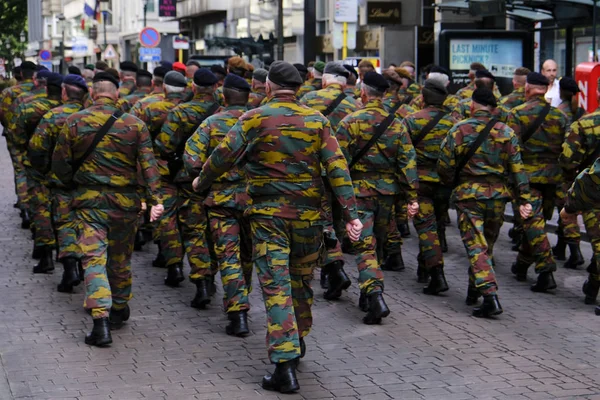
x=64 y=288
x=96 y=343
x=47 y=271
x=478 y=314
x=542 y=290
x=282 y=389
x=200 y=305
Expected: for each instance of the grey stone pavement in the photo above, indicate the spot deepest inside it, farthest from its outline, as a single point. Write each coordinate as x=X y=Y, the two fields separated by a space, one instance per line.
x=544 y=346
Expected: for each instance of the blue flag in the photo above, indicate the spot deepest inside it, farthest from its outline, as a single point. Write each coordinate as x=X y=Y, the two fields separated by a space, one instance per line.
x=87 y=10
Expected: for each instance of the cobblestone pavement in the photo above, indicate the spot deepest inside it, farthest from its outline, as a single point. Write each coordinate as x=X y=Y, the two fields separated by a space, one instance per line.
x=542 y=347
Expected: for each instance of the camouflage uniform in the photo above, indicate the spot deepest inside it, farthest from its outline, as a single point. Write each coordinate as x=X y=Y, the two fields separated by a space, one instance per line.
x=432 y=206
x=418 y=103
x=139 y=107
x=41 y=148
x=463 y=111
x=184 y=225
x=311 y=85
x=106 y=200
x=387 y=170
x=226 y=203
x=540 y=158
x=513 y=99
x=127 y=88
x=467 y=91
x=284 y=144
x=482 y=190
x=413 y=89
x=124 y=104
x=256 y=98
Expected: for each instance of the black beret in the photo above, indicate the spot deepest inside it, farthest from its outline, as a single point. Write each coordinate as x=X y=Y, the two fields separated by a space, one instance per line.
x=76 y=80
x=351 y=69
x=29 y=66
x=174 y=78
x=193 y=62
x=484 y=73
x=284 y=74
x=218 y=69
x=204 y=77
x=301 y=68
x=535 y=78
x=167 y=64
x=233 y=81
x=440 y=70
x=485 y=97
x=376 y=81
x=40 y=67
x=128 y=66
x=568 y=84
x=336 y=68
x=54 y=79
x=143 y=72
x=106 y=77
x=74 y=70
x=260 y=74
x=160 y=71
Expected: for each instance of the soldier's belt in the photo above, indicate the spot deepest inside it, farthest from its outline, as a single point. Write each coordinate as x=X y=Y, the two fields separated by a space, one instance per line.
x=303 y=266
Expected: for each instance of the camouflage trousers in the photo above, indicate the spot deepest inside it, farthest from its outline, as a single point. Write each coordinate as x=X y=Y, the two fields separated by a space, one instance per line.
x=20 y=174
x=106 y=239
x=375 y=213
x=167 y=229
x=193 y=227
x=64 y=224
x=334 y=226
x=426 y=223
x=392 y=242
x=535 y=247
x=570 y=232
x=285 y=253
x=479 y=223
x=591 y=219
x=232 y=244
x=40 y=207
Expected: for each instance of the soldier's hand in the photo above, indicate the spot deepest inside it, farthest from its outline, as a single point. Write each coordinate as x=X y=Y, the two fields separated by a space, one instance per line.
x=354 y=229
x=196 y=184
x=156 y=212
x=567 y=217
x=412 y=209
x=525 y=211
x=144 y=208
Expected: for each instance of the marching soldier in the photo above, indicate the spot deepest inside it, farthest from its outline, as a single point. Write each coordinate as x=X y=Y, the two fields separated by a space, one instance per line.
x=143 y=83
x=127 y=76
x=569 y=102
x=442 y=75
x=258 y=94
x=483 y=79
x=315 y=82
x=476 y=157
x=302 y=70
x=517 y=96
x=284 y=145
x=96 y=146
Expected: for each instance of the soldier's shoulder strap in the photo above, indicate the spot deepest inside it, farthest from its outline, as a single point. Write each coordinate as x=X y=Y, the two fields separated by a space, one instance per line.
x=589 y=160
x=333 y=105
x=427 y=128
x=473 y=148
x=97 y=138
x=536 y=124
x=379 y=130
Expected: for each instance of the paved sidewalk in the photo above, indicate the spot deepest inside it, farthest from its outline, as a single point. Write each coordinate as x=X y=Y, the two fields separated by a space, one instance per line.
x=544 y=346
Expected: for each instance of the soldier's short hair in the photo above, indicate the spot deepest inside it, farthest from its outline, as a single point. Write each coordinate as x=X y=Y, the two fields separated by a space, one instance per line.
x=143 y=81
x=174 y=89
x=476 y=66
x=235 y=97
x=366 y=64
x=372 y=92
x=522 y=71
x=408 y=64
x=439 y=77
x=104 y=87
x=74 y=92
x=338 y=78
x=484 y=83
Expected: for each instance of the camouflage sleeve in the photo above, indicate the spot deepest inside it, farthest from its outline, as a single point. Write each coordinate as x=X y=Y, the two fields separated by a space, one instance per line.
x=62 y=157
x=446 y=165
x=196 y=150
x=572 y=151
x=517 y=170
x=19 y=131
x=226 y=154
x=39 y=147
x=584 y=194
x=338 y=174
x=514 y=123
x=407 y=162
x=457 y=112
x=343 y=137
x=147 y=163
x=167 y=140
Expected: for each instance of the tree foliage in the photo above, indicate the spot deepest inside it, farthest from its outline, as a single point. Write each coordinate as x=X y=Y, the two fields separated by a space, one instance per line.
x=13 y=21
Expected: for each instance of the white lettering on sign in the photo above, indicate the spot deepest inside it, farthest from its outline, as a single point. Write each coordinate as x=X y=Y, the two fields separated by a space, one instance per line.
x=583 y=94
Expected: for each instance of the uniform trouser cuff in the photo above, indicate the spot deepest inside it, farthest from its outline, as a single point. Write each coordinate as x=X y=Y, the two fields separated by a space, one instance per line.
x=98 y=313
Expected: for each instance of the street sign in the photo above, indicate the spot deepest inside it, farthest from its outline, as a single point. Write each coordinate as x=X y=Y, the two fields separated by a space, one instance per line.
x=150 y=55
x=110 y=53
x=45 y=55
x=47 y=64
x=181 y=42
x=80 y=46
x=346 y=11
x=337 y=36
x=149 y=37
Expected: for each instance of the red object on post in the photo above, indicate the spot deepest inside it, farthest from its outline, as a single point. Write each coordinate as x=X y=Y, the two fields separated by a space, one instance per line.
x=586 y=75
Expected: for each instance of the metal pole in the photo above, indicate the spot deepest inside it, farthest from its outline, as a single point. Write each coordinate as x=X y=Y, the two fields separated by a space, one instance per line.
x=310 y=31
x=145 y=22
x=104 y=23
x=595 y=58
x=279 y=29
x=345 y=39
x=63 y=64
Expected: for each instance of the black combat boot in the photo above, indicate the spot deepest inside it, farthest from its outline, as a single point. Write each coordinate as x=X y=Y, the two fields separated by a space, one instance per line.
x=377 y=309
x=174 y=275
x=597 y=310
x=347 y=247
x=393 y=262
x=338 y=280
x=324 y=281
x=438 y=282
x=37 y=253
x=118 y=317
x=560 y=250
x=212 y=287
x=238 y=323
x=46 y=264
x=404 y=230
x=202 y=298
x=473 y=296
x=70 y=275
x=519 y=269
x=140 y=241
x=422 y=272
x=442 y=238
x=160 y=261
x=591 y=285
x=575 y=258
x=100 y=334
x=490 y=307
x=363 y=303
x=302 y=348
x=544 y=282
x=25 y=219
x=283 y=379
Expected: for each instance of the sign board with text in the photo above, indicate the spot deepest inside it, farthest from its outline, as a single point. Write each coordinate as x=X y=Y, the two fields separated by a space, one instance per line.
x=345 y=11
x=181 y=43
x=167 y=8
x=384 y=13
x=150 y=54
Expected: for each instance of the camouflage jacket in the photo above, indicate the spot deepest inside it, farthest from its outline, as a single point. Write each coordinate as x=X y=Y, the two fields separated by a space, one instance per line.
x=8 y=97
x=310 y=85
x=463 y=111
x=180 y=124
x=390 y=99
x=113 y=169
x=584 y=194
x=467 y=91
x=256 y=98
x=582 y=139
x=540 y=153
x=28 y=119
x=413 y=89
x=565 y=107
x=321 y=99
x=486 y=174
x=43 y=141
x=513 y=99
x=389 y=167
x=127 y=88
x=124 y=104
x=139 y=107
x=428 y=148
x=22 y=100
x=418 y=103
x=283 y=145
x=229 y=190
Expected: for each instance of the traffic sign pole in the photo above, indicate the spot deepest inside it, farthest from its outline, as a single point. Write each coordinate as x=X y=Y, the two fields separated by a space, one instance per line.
x=180 y=51
x=345 y=46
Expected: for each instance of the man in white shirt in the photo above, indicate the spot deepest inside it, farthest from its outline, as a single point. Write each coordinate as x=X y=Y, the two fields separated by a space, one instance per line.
x=549 y=70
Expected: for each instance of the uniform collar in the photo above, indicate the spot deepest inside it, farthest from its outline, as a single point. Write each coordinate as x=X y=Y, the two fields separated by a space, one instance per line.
x=482 y=113
x=374 y=103
x=105 y=101
x=204 y=97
